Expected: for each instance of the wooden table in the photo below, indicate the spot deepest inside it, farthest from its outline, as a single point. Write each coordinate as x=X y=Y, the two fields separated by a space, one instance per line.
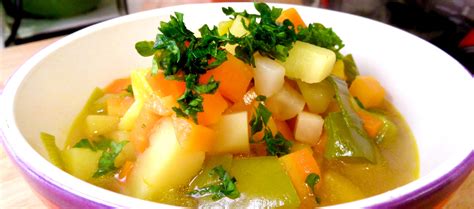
x=14 y=191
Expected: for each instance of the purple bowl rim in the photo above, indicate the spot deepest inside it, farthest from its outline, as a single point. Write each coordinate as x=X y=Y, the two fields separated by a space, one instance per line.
x=465 y=165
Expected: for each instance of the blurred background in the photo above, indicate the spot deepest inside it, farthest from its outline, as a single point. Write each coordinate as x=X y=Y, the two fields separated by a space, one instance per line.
x=448 y=24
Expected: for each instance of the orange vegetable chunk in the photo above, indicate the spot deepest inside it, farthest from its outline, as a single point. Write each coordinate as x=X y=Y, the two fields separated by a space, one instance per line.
x=143 y=126
x=193 y=137
x=213 y=105
x=368 y=90
x=299 y=165
x=234 y=76
x=371 y=123
x=164 y=87
x=118 y=106
x=117 y=86
x=292 y=15
x=284 y=129
x=125 y=170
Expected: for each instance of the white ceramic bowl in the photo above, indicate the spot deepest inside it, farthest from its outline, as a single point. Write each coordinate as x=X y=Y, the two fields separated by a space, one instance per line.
x=432 y=91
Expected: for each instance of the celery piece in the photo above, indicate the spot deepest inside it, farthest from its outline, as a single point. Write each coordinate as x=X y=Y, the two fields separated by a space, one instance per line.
x=350 y=68
x=204 y=179
x=347 y=136
x=388 y=132
x=49 y=142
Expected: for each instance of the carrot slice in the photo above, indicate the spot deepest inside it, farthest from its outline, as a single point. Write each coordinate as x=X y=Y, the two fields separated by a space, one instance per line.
x=164 y=87
x=234 y=76
x=142 y=129
x=125 y=170
x=284 y=129
x=292 y=15
x=299 y=165
x=368 y=90
x=118 y=106
x=118 y=86
x=371 y=123
x=213 y=105
x=194 y=137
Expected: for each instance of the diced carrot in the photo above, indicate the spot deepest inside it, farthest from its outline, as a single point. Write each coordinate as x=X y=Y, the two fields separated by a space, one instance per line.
x=368 y=90
x=319 y=147
x=164 y=87
x=125 y=170
x=118 y=106
x=284 y=129
x=258 y=149
x=270 y=124
x=213 y=105
x=143 y=126
x=234 y=76
x=372 y=124
x=299 y=165
x=117 y=86
x=194 y=137
x=292 y=15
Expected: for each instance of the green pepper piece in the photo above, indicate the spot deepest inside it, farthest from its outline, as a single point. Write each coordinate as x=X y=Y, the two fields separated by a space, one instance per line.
x=49 y=142
x=350 y=68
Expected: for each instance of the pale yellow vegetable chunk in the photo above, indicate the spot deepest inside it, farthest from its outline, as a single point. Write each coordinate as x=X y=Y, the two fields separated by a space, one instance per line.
x=317 y=95
x=237 y=29
x=101 y=124
x=286 y=103
x=308 y=127
x=309 y=63
x=232 y=134
x=164 y=165
x=81 y=162
x=269 y=76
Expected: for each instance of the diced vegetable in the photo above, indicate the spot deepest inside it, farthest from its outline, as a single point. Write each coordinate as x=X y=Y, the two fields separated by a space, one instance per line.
x=286 y=103
x=297 y=146
x=213 y=105
x=140 y=133
x=125 y=170
x=338 y=70
x=163 y=87
x=237 y=29
x=350 y=68
x=232 y=135
x=211 y=162
x=263 y=183
x=299 y=165
x=194 y=137
x=269 y=76
x=317 y=95
x=309 y=63
x=100 y=124
x=118 y=86
x=164 y=165
x=308 y=127
x=372 y=123
x=118 y=106
x=368 y=90
x=292 y=15
x=81 y=162
x=388 y=131
x=49 y=142
x=284 y=129
x=234 y=76
x=224 y=26
x=338 y=188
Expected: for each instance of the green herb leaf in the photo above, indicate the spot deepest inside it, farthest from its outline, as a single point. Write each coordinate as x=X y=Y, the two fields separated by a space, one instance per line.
x=226 y=186
x=312 y=179
x=84 y=143
x=145 y=48
x=209 y=88
x=129 y=89
x=321 y=36
x=276 y=145
x=107 y=159
x=259 y=119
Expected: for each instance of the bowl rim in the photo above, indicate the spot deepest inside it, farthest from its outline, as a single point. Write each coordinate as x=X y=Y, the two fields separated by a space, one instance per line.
x=41 y=168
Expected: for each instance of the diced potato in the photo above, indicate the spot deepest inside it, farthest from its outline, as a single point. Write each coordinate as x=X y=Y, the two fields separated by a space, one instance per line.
x=317 y=95
x=101 y=124
x=164 y=165
x=286 y=103
x=238 y=30
x=269 y=76
x=336 y=188
x=309 y=63
x=232 y=134
x=128 y=152
x=338 y=70
x=81 y=162
x=223 y=27
x=308 y=127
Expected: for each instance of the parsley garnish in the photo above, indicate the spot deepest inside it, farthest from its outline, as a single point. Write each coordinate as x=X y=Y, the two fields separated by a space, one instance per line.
x=129 y=89
x=110 y=150
x=321 y=36
x=226 y=186
x=277 y=145
x=311 y=180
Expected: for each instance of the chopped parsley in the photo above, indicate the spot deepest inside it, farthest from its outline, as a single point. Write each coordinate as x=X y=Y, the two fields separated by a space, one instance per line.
x=311 y=180
x=276 y=145
x=110 y=150
x=226 y=186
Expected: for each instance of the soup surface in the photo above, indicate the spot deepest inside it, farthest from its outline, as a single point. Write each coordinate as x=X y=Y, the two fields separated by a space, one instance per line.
x=262 y=111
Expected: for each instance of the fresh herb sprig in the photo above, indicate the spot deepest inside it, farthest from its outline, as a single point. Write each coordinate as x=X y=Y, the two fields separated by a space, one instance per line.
x=226 y=187
x=311 y=180
x=276 y=145
x=110 y=150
